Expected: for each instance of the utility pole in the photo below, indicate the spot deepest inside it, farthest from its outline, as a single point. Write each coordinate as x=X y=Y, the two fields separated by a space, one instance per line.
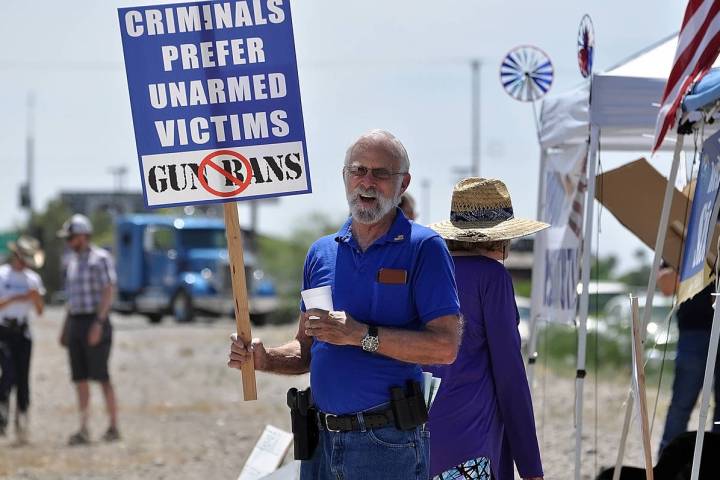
x=475 y=121
x=26 y=190
x=118 y=174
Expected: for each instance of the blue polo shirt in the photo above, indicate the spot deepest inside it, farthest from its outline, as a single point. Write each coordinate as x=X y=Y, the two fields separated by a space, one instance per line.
x=346 y=379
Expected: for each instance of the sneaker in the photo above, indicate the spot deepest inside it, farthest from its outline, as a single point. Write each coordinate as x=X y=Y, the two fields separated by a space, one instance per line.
x=111 y=435
x=81 y=437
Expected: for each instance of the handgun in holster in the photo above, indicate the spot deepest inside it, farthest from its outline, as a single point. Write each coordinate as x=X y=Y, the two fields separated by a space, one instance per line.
x=304 y=423
x=408 y=406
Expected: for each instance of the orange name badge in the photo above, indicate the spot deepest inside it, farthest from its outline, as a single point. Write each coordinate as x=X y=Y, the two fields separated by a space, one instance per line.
x=392 y=276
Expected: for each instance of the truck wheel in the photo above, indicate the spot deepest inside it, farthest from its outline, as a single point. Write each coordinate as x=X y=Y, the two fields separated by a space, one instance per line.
x=182 y=307
x=154 y=317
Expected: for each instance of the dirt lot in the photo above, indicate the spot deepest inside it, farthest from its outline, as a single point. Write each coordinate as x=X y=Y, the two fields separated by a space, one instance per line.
x=182 y=416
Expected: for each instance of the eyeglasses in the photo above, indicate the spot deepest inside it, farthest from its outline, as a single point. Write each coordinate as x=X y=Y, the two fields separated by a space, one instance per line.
x=359 y=171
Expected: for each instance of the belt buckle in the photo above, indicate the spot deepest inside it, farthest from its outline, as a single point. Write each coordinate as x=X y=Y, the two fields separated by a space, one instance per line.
x=327 y=426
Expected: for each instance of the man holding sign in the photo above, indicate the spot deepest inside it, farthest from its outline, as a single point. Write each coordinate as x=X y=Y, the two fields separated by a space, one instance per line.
x=395 y=308
x=216 y=109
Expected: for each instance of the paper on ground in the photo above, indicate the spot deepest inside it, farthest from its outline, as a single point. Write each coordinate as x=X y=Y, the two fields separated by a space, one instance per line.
x=291 y=471
x=268 y=453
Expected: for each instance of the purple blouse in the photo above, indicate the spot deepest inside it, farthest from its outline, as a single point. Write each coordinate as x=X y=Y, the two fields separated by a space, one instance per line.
x=483 y=407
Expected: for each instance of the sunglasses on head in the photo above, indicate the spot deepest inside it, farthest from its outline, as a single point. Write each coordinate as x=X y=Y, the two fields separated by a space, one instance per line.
x=359 y=171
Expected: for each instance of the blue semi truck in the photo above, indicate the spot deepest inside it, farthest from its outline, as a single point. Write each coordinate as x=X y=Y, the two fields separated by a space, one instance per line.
x=179 y=266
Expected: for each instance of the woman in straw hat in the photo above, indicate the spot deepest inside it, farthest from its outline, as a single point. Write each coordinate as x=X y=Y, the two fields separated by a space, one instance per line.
x=21 y=291
x=482 y=419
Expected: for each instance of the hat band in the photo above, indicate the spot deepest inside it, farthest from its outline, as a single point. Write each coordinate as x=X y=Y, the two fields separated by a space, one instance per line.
x=484 y=215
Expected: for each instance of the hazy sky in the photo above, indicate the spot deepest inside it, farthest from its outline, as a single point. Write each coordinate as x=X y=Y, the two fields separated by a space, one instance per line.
x=401 y=65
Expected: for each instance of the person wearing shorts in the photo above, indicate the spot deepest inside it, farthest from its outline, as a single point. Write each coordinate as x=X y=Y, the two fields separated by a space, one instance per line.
x=87 y=333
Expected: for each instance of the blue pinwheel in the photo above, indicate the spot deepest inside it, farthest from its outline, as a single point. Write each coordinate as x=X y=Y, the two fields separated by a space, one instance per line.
x=526 y=73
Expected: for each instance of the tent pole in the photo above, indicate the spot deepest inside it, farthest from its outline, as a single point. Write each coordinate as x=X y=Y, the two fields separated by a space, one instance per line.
x=537 y=276
x=652 y=283
x=707 y=388
x=585 y=297
x=662 y=231
x=629 y=402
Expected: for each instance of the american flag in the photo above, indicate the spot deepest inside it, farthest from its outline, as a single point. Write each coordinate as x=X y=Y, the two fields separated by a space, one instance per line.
x=698 y=47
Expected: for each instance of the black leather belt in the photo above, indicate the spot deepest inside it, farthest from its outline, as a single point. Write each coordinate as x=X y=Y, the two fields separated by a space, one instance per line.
x=349 y=423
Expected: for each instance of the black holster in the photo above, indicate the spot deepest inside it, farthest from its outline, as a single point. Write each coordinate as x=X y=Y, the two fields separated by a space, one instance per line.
x=408 y=406
x=304 y=423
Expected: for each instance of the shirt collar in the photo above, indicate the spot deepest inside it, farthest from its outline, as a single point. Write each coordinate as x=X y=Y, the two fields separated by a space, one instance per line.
x=399 y=231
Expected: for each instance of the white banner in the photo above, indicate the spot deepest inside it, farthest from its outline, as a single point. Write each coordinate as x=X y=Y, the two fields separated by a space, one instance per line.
x=558 y=249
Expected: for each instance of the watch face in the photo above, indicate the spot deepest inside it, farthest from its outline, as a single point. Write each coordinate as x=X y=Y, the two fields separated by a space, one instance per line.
x=370 y=344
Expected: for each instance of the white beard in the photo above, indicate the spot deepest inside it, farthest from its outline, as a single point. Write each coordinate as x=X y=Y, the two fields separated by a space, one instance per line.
x=365 y=215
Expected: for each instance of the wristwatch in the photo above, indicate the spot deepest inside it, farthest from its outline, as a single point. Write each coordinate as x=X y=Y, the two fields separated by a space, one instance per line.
x=371 y=341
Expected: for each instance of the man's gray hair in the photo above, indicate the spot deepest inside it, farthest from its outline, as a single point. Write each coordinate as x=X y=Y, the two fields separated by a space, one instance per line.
x=381 y=140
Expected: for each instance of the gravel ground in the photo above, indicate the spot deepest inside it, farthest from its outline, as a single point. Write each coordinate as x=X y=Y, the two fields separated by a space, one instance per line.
x=182 y=414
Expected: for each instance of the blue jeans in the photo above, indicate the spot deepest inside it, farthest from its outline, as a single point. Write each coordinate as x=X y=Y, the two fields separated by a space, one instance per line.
x=692 y=350
x=381 y=453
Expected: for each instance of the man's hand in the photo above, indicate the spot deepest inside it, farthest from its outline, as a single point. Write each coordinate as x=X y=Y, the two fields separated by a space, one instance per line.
x=95 y=333
x=241 y=353
x=337 y=328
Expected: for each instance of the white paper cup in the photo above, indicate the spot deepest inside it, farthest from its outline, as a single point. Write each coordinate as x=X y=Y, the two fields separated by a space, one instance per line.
x=320 y=298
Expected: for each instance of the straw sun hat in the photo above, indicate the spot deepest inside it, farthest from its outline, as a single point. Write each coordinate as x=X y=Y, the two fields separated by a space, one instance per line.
x=29 y=251
x=481 y=211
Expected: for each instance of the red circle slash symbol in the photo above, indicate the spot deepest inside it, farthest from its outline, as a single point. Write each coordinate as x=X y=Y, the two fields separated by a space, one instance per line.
x=241 y=185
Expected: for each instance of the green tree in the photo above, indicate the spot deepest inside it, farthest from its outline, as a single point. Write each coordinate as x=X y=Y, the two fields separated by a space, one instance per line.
x=283 y=257
x=640 y=275
x=44 y=226
x=603 y=268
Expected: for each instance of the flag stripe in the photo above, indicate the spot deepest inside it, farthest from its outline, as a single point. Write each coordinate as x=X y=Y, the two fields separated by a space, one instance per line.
x=697 y=48
x=687 y=57
x=677 y=88
x=696 y=10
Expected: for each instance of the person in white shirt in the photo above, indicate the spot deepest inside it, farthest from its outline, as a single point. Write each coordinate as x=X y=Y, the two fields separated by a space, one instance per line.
x=21 y=292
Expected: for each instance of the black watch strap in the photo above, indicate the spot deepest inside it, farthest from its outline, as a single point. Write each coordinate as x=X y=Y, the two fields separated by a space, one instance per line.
x=372 y=331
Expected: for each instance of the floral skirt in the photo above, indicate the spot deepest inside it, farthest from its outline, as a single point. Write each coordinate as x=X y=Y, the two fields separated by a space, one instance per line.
x=478 y=468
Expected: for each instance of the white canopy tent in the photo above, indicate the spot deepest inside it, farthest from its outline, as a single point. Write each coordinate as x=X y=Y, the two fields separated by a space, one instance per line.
x=620 y=117
x=625 y=103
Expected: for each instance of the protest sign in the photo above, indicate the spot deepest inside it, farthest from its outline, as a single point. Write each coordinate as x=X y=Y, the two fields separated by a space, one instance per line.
x=216 y=109
x=215 y=101
x=558 y=249
x=694 y=270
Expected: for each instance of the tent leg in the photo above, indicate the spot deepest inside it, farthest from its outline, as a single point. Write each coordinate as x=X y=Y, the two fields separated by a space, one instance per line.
x=652 y=283
x=707 y=388
x=662 y=231
x=623 y=436
x=537 y=274
x=585 y=297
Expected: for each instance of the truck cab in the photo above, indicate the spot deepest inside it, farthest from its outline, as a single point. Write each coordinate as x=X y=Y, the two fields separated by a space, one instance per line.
x=179 y=266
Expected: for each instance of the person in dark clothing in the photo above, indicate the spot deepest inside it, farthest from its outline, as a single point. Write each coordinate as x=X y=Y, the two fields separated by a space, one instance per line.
x=694 y=318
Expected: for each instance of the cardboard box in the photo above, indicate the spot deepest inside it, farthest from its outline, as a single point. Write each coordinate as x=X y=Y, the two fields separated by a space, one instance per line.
x=634 y=194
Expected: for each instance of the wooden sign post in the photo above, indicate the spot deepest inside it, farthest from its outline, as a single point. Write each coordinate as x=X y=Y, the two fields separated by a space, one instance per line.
x=639 y=371
x=240 y=294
